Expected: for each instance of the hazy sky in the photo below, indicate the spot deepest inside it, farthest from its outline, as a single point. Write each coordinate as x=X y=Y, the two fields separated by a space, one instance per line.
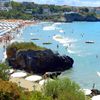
x=66 y=2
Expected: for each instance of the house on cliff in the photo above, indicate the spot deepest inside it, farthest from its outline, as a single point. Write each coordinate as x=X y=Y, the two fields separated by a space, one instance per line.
x=97 y=10
x=5 y=5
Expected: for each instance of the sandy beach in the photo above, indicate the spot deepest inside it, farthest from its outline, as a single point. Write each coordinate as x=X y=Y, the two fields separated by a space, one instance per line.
x=8 y=28
x=11 y=30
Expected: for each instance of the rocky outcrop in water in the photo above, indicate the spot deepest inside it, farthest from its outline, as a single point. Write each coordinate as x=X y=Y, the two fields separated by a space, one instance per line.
x=39 y=61
x=70 y=17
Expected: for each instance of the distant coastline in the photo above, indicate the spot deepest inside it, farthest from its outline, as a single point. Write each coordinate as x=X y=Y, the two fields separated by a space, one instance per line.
x=55 y=13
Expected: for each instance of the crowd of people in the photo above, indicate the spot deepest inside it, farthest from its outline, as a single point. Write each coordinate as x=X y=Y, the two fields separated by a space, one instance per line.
x=9 y=29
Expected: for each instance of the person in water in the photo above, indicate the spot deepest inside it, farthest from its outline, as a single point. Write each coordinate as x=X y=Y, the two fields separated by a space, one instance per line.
x=82 y=34
x=57 y=46
x=96 y=56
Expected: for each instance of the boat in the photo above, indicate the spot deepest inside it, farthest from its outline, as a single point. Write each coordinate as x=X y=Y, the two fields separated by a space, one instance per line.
x=35 y=39
x=47 y=43
x=98 y=73
x=89 y=42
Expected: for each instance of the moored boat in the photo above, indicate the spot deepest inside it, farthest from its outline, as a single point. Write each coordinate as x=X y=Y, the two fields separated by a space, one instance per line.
x=89 y=41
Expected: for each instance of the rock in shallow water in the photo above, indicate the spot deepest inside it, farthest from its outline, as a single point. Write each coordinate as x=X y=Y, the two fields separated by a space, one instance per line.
x=39 y=61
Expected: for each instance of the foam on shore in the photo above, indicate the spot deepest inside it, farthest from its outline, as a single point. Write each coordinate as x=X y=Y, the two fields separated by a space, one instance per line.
x=65 y=41
x=48 y=28
x=68 y=43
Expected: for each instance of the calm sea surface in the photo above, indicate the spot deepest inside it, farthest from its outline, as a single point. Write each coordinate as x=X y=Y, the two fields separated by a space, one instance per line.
x=71 y=38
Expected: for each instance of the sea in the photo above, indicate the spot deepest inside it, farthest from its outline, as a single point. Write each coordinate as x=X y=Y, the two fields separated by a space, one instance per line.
x=70 y=39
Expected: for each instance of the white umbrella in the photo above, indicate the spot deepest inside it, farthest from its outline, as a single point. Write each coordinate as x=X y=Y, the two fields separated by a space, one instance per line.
x=42 y=82
x=19 y=74
x=33 y=78
x=87 y=91
x=96 y=97
x=11 y=71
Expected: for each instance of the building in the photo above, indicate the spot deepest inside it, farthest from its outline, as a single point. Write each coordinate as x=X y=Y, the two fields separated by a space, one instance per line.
x=28 y=11
x=2 y=5
x=71 y=12
x=97 y=11
x=91 y=10
x=46 y=11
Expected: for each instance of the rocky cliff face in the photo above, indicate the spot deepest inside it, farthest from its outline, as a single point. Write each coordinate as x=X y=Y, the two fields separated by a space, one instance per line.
x=38 y=61
x=78 y=17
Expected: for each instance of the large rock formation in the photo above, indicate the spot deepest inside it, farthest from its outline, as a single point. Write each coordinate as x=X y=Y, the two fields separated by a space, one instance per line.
x=39 y=61
x=70 y=17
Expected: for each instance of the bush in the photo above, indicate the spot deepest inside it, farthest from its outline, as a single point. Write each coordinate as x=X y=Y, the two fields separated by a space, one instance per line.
x=3 y=72
x=9 y=91
x=63 y=89
x=38 y=96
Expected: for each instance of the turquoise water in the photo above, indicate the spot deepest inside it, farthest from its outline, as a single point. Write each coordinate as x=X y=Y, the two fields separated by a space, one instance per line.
x=73 y=36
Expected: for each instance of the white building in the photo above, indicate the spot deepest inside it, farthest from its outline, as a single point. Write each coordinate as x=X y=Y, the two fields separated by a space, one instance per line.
x=91 y=10
x=2 y=4
x=46 y=11
x=97 y=11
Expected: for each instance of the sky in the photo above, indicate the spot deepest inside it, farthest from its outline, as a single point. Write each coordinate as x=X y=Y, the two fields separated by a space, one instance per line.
x=93 y=3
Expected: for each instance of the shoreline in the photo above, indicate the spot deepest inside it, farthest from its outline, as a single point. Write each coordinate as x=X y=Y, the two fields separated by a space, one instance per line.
x=10 y=29
x=26 y=25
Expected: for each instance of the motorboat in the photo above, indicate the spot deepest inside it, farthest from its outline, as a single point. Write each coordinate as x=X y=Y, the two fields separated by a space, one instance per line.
x=91 y=42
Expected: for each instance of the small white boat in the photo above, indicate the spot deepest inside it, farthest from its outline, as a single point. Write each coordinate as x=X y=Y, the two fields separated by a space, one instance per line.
x=89 y=41
x=61 y=31
x=98 y=73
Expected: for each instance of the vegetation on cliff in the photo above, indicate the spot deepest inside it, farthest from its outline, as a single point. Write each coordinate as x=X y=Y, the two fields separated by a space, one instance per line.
x=59 y=89
x=25 y=46
x=30 y=10
x=63 y=89
x=9 y=91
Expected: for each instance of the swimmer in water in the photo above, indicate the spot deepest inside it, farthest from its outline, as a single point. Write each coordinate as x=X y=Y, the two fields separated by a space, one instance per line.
x=57 y=46
x=96 y=56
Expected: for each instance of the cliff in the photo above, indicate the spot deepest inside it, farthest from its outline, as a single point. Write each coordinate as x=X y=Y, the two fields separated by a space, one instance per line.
x=37 y=61
x=70 y=17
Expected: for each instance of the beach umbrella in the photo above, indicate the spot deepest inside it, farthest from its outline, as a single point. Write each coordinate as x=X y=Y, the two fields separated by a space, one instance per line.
x=87 y=91
x=19 y=74
x=42 y=82
x=96 y=97
x=33 y=78
x=10 y=71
